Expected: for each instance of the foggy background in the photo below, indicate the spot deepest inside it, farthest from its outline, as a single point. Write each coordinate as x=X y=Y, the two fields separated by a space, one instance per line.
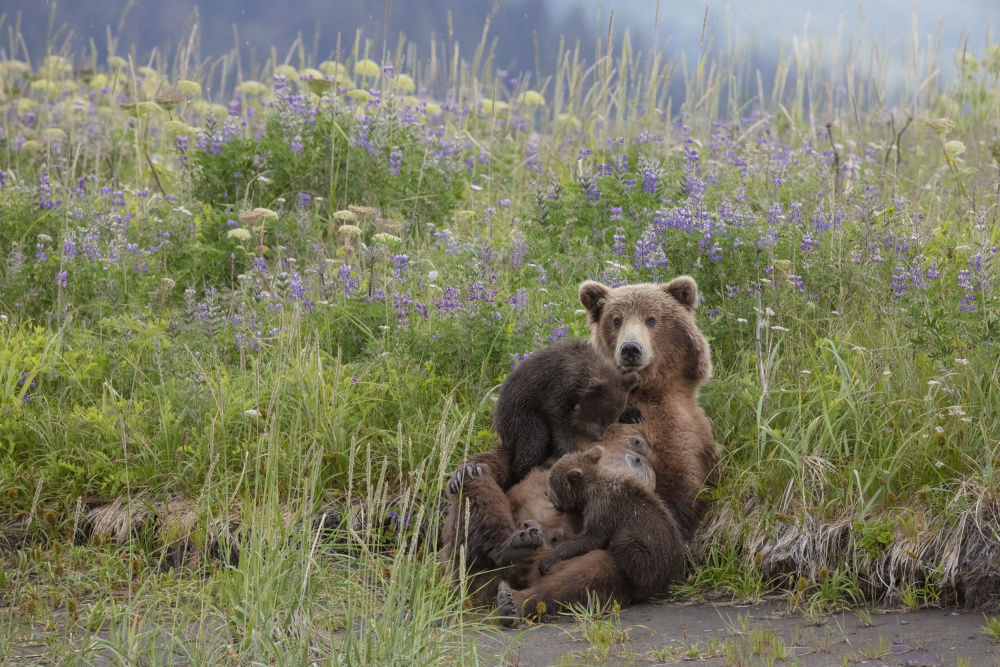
x=263 y=24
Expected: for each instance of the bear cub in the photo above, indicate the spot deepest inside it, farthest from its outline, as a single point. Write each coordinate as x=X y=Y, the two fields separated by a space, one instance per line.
x=615 y=492
x=534 y=415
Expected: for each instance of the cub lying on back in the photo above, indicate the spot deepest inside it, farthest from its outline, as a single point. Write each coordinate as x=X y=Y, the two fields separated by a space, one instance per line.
x=615 y=493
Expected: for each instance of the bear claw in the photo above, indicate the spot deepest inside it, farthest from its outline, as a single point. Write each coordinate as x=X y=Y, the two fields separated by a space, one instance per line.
x=507 y=607
x=458 y=478
x=522 y=543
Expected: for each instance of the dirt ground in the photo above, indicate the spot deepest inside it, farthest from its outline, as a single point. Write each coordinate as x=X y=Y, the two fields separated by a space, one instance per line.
x=750 y=635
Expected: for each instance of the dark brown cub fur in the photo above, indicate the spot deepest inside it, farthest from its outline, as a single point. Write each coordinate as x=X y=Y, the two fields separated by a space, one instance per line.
x=615 y=492
x=534 y=412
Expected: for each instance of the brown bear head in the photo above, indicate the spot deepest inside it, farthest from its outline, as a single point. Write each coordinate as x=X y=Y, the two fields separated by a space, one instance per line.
x=572 y=478
x=603 y=401
x=650 y=328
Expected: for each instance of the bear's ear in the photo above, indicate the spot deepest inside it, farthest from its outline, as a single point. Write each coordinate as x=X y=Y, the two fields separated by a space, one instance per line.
x=574 y=476
x=594 y=454
x=630 y=381
x=684 y=289
x=593 y=295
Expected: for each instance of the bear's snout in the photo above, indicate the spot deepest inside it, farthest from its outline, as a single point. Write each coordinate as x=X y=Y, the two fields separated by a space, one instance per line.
x=630 y=353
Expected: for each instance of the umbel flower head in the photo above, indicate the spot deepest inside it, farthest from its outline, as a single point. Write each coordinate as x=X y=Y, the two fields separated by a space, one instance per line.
x=256 y=215
x=240 y=234
x=940 y=126
x=344 y=215
x=367 y=68
x=189 y=88
x=336 y=70
x=361 y=212
x=531 y=97
x=386 y=239
x=404 y=83
x=250 y=88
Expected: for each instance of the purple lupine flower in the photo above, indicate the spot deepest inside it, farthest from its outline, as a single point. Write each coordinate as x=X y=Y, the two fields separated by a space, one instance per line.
x=898 y=283
x=649 y=182
x=61 y=279
x=558 y=332
x=618 y=247
x=519 y=300
x=616 y=212
x=932 y=272
x=303 y=200
x=400 y=265
x=593 y=193
x=518 y=250
x=296 y=144
x=446 y=240
x=516 y=359
x=450 y=303
x=395 y=160
x=259 y=264
x=345 y=275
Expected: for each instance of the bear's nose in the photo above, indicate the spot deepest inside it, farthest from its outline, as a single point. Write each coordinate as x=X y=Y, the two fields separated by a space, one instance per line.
x=631 y=353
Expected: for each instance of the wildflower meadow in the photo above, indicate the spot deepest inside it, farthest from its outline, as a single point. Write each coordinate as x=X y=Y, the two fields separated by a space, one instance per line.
x=253 y=313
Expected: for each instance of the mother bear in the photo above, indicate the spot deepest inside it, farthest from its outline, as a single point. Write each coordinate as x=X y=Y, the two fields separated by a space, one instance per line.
x=492 y=529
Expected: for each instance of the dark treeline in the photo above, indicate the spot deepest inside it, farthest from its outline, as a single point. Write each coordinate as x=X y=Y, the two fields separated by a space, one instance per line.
x=263 y=24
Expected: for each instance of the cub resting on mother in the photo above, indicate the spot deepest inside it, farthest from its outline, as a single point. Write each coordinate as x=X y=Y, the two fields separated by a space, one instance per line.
x=500 y=526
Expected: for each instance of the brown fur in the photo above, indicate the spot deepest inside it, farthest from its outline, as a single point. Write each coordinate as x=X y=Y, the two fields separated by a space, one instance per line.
x=672 y=358
x=615 y=493
x=534 y=415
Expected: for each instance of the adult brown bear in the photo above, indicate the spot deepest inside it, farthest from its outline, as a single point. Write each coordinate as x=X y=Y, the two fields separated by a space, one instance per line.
x=498 y=533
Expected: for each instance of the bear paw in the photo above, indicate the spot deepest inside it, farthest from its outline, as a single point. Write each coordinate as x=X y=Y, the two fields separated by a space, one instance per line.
x=547 y=564
x=631 y=415
x=507 y=612
x=522 y=544
x=463 y=473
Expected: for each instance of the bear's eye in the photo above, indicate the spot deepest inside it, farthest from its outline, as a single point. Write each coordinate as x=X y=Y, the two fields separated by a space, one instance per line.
x=617 y=322
x=650 y=322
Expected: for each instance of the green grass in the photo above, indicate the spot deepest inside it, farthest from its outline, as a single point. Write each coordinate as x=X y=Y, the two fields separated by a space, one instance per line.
x=229 y=390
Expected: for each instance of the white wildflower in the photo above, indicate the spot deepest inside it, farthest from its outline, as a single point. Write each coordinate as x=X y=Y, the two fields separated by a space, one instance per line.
x=938 y=464
x=44 y=238
x=932 y=383
x=777 y=328
x=964 y=362
x=579 y=311
x=741 y=319
x=886 y=372
x=251 y=413
x=806 y=372
x=239 y=234
x=432 y=275
x=939 y=429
